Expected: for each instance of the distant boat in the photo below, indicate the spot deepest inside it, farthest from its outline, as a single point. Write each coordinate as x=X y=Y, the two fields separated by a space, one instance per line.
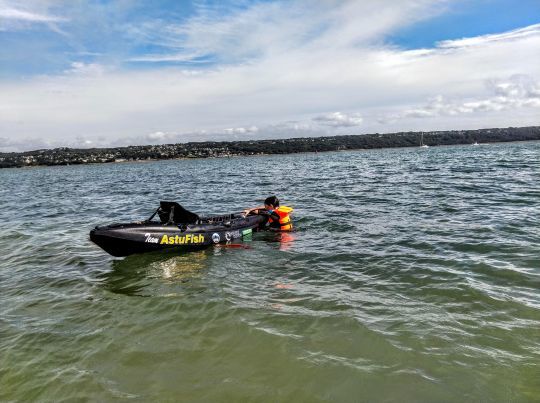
x=422 y=145
x=475 y=143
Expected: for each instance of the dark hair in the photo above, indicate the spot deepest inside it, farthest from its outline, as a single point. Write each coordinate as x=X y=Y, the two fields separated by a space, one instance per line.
x=272 y=201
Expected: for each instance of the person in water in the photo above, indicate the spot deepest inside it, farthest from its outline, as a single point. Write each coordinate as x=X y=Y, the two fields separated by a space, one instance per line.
x=278 y=216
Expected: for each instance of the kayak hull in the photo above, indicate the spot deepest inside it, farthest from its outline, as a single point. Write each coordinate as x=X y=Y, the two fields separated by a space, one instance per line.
x=130 y=238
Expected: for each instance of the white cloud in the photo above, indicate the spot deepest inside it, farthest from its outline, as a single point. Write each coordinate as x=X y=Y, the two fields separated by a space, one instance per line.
x=285 y=62
x=274 y=131
x=232 y=34
x=85 y=69
x=22 y=15
x=15 y=16
x=241 y=130
x=160 y=58
x=81 y=142
x=157 y=136
x=515 y=92
x=30 y=143
x=516 y=34
x=339 y=119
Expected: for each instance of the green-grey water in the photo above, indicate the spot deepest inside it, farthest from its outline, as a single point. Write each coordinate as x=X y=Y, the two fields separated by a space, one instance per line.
x=414 y=275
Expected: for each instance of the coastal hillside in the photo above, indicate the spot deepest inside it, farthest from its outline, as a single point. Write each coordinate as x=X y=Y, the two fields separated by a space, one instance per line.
x=71 y=156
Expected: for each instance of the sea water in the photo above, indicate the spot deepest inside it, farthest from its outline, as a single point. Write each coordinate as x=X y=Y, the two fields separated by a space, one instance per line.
x=413 y=275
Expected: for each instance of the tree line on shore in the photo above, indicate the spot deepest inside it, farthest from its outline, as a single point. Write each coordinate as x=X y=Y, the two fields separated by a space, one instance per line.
x=209 y=149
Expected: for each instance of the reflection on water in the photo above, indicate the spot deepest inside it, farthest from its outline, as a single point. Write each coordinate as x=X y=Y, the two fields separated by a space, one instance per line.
x=131 y=275
x=286 y=240
x=181 y=267
x=134 y=274
x=281 y=240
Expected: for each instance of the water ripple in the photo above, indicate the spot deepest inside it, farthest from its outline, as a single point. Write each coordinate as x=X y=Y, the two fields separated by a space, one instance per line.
x=413 y=276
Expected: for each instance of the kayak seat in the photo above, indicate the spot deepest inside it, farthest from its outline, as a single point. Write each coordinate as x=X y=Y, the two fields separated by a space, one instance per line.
x=173 y=213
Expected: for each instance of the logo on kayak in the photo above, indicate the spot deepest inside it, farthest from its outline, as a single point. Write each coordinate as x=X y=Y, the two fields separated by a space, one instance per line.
x=216 y=238
x=182 y=240
x=150 y=239
x=232 y=234
x=247 y=231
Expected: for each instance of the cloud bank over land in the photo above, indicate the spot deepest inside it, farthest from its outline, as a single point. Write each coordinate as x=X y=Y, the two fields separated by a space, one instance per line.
x=261 y=70
x=516 y=92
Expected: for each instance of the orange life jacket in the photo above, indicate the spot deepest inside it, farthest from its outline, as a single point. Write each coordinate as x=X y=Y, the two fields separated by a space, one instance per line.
x=284 y=218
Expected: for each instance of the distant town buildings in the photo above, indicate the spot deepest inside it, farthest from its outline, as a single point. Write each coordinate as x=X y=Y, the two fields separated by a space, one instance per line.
x=71 y=156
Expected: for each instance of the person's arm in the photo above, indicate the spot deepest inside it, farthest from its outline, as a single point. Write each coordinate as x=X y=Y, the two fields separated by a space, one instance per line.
x=255 y=210
x=264 y=212
x=270 y=214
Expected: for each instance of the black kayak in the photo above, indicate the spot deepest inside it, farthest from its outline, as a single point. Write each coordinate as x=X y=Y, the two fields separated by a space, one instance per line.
x=177 y=228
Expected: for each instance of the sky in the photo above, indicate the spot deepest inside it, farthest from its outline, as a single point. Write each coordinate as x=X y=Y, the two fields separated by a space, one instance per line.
x=102 y=73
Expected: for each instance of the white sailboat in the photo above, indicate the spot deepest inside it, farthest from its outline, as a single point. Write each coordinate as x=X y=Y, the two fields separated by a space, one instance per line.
x=422 y=145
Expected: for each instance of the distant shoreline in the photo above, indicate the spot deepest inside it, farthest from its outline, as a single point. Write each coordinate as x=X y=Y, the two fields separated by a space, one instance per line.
x=263 y=155
x=226 y=149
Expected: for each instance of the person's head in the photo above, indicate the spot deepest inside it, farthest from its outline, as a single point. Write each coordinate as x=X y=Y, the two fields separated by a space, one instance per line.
x=271 y=203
